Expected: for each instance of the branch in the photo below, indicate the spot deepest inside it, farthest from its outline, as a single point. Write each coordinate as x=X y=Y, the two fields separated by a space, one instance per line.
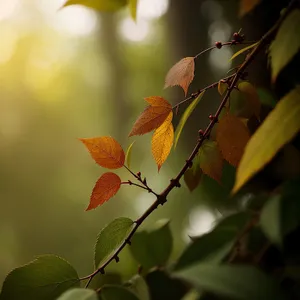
x=203 y=135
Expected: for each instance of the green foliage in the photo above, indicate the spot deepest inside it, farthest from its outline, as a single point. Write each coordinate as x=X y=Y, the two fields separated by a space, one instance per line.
x=115 y=292
x=138 y=285
x=286 y=44
x=236 y=54
x=281 y=214
x=153 y=247
x=79 y=294
x=260 y=150
x=235 y=282
x=214 y=246
x=110 y=238
x=185 y=116
x=44 y=278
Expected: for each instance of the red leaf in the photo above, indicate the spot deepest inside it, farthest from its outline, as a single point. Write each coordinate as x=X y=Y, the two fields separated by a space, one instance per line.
x=106 y=187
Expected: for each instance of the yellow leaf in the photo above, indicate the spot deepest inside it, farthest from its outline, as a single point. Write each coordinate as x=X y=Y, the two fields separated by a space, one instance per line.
x=280 y=126
x=106 y=151
x=222 y=87
x=182 y=74
x=211 y=160
x=247 y=5
x=232 y=137
x=133 y=8
x=243 y=50
x=128 y=154
x=106 y=187
x=162 y=141
x=152 y=117
x=101 y=5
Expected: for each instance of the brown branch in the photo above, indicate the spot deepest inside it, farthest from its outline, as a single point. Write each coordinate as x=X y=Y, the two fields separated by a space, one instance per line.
x=162 y=198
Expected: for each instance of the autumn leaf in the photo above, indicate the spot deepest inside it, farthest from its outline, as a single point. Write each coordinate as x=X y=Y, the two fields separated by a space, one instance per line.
x=222 y=87
x=185 y=116
x=192 y=177
x=247 y=5
x=182 y=74
x=101 y=5
x=286 y=44
x=232 y=137
x=128 y=154
x=106 y=187
x=106 y=151
x=211 y=160
x=162 y=141
x=252 y=102
x=152 y=117
x=280 y=126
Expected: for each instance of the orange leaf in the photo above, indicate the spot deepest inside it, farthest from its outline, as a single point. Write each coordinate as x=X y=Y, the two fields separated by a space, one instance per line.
x=182 y=74
x=162 y=141
x=247 y=5
x=106 y=151
x=158 y=101
x=106 y=187
x=153 y=116
x=232 y=137
x=211 y=160
x=192 y=178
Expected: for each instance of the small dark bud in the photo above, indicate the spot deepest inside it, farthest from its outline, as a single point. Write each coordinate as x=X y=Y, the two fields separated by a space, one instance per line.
x=201 y=133
x=190 y=163
x=102 y=271
x=117 y=259
x=219 y=45
x=138 y=174
x=128 y=242
x=237 y=37
x=211 y=117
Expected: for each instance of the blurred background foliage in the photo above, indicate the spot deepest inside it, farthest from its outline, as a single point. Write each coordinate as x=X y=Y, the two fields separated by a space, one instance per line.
x=74 y=73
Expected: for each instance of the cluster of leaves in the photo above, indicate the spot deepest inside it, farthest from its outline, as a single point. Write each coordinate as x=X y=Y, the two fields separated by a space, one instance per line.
x=230 y=261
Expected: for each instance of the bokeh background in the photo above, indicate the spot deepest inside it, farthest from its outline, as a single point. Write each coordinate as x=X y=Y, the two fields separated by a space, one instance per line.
x=73 y=73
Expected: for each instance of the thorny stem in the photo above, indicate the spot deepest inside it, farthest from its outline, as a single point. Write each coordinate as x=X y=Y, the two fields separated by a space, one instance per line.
x=135 y=184
x=231 y=43
x=196 y=94
x=162 y=198
x=142 y=181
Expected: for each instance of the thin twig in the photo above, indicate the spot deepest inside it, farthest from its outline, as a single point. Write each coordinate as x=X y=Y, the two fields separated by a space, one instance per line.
x=196 y=94
x=135 y=184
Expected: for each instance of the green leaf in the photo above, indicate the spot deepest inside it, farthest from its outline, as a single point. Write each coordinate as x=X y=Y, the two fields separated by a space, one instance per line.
x=164 y=287
x=115 y=292
x=111 y=238
x=280 y=126
x=286 y=44
x=281 y=214
x=46 y=277
x=128 y=155
x=192 y=177
x=235 y=282
x=214 y=246
x=270 y=220
x=101 y=5
x=138 y=285
x=79 y=294
x=133 y=8
x=266 y=98
x=185 y=116
x=153 y=247
x=243 y=50
x=222 y=87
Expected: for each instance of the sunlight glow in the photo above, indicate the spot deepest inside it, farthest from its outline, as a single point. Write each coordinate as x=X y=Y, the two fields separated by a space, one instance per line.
x=201 y=221
x=220 y=60
x=152 y=9
x=134 y=32
x=9 y=40
x=8 y=8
